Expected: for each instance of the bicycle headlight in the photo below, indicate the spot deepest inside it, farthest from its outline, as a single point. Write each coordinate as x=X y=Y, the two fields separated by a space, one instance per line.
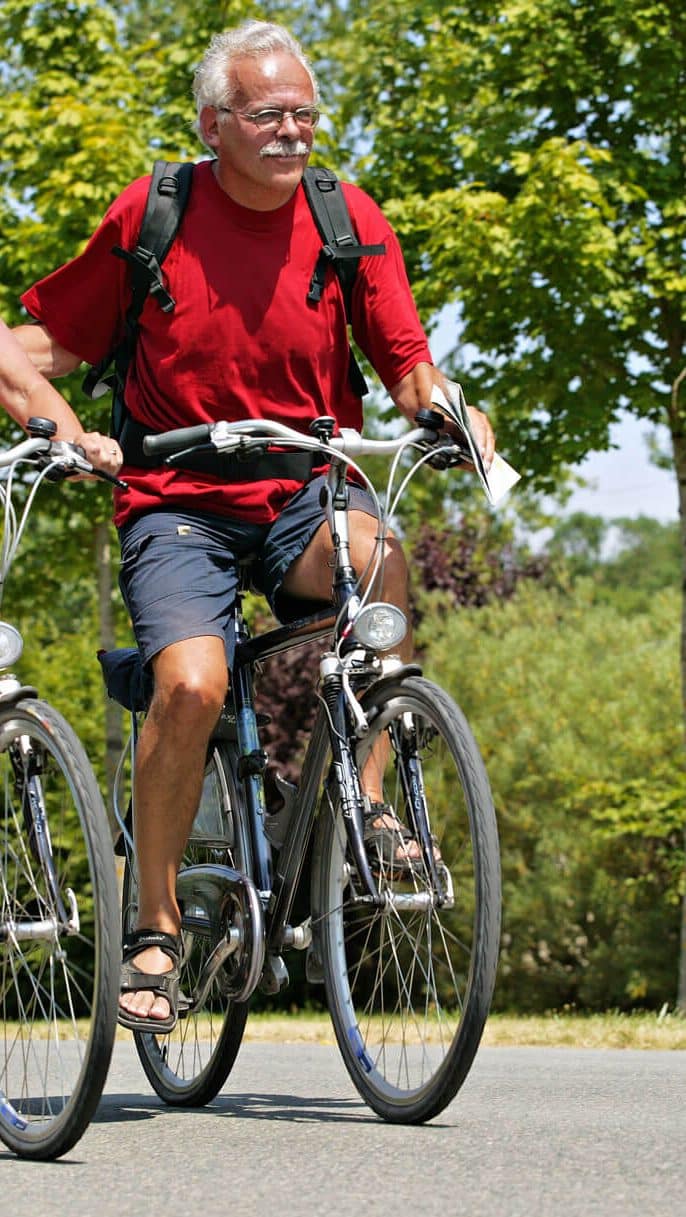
x=380 y=626
x=11 y=645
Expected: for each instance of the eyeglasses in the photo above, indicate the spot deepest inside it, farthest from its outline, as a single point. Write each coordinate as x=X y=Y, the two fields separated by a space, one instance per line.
x=273 y=117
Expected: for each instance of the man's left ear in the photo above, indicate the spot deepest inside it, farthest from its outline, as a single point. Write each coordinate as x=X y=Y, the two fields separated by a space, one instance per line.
x=208 y=121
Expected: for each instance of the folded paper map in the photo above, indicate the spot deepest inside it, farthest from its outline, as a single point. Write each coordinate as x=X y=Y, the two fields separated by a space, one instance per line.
x=501 y=476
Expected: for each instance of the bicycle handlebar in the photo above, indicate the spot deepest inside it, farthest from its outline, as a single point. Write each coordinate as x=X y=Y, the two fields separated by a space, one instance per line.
x=167 y=443
x=250 y=434
x=22 y=451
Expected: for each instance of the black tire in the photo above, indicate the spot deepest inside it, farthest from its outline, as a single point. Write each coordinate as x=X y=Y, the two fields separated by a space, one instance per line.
x=189 y=1066
x=58 y=993
x=409 y=990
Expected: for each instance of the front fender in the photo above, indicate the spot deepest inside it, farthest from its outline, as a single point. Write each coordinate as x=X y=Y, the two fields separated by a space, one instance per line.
x=397 y=676
x=11 y=691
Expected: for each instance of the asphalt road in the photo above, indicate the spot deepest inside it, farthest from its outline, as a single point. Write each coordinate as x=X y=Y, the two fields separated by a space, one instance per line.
x=533 y=1133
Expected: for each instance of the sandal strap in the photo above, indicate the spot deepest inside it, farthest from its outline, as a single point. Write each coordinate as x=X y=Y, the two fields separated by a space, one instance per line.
x=375 y=812
x=139 y=940
x=163 y=984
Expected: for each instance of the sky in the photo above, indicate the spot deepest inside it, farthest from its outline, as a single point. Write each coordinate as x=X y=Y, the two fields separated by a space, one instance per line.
x=624 y=482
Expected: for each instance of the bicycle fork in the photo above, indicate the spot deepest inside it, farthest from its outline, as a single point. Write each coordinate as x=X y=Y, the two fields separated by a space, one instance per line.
x=409 y=766
x=406 y=744
x=344 y=765
x=26 y=764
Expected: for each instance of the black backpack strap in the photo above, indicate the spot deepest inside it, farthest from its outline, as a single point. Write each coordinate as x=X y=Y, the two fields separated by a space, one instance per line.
x=341 y=246
x=341 y=249
x=167 y=197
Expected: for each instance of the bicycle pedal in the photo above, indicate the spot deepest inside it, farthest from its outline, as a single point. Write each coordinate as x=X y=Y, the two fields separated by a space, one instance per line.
x=185 y=1005
x=314 y=971
x=274 y=975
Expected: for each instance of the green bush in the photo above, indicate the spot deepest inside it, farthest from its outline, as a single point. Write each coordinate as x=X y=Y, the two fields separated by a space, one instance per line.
x=576 y=708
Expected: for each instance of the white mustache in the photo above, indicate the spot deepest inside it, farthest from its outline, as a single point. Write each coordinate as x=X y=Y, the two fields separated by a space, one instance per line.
x=285 y=147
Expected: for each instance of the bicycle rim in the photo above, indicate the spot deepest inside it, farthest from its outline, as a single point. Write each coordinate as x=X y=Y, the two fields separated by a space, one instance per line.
x=409 y=986
x=58 y=983
x=189 y=1066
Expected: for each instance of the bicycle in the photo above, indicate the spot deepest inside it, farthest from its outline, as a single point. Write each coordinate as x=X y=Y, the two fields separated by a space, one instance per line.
x=59 y=953
x=407 y=955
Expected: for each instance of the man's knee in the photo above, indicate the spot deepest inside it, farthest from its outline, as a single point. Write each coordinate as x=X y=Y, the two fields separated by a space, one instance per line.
x=191 y=683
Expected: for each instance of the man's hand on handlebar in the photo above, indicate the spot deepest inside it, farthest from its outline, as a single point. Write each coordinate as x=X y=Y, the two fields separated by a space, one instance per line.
x=414 y=391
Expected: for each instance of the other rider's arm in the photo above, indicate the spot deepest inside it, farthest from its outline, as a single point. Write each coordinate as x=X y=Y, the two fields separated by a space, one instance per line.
x=29 y=354
x=414 y=392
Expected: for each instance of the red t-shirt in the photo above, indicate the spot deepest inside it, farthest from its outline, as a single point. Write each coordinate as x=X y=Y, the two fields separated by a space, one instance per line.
x=242 y=342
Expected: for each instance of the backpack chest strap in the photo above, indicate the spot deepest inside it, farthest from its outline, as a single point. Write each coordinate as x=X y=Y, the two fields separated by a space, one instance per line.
x=146 y=276
x=329 y=254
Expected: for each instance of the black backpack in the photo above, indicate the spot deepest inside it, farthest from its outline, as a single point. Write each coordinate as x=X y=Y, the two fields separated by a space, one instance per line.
x=167 y=197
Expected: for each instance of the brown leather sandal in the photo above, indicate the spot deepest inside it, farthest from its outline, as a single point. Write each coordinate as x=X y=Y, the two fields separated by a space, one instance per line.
x=162 y=984
x=389 y=842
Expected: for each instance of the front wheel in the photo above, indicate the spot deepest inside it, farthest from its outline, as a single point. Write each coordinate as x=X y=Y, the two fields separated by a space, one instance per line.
x=59 y=936
x=409 y=984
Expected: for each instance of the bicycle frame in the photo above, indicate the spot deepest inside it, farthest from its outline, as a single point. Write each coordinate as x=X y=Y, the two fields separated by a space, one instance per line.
x=404 y=939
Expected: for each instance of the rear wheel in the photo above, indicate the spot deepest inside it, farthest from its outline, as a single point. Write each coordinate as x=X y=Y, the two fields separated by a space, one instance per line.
x=59 y=937
x=409 y=984
x=189 y=1066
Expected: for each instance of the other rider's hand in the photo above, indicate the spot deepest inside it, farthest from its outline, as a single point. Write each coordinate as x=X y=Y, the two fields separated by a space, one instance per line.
x=102 y=451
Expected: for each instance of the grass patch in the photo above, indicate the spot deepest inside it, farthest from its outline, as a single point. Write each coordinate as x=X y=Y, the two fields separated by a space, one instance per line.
x=666 y=1030
x=566 y=1030
x=554 y=1030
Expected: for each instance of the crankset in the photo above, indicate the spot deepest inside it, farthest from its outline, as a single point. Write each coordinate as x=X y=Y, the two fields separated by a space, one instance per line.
x=221 y=904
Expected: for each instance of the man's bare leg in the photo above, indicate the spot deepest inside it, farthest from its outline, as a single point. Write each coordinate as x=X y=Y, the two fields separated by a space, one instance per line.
x=310 y=578
x=190 y=686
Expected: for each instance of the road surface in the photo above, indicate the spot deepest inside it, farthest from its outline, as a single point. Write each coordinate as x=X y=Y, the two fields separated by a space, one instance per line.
x=533 y=1133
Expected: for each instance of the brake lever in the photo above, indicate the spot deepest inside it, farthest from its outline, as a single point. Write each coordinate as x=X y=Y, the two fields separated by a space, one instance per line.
x=449 y=458
x=67 y=460
x=243 y=450
x=113 y=480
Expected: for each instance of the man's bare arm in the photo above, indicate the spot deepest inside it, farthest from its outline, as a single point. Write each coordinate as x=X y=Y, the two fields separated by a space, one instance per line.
x=45 y=353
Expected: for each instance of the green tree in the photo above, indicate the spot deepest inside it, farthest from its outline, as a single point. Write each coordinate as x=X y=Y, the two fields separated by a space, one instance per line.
x=578 y=540
x=629 y=559
x=645 y=557
x=533 y=157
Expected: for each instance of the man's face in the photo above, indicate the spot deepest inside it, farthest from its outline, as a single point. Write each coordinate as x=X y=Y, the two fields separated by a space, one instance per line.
x=262 y=168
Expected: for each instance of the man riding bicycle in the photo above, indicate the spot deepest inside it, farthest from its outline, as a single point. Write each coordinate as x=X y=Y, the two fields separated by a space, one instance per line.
x=242 y=341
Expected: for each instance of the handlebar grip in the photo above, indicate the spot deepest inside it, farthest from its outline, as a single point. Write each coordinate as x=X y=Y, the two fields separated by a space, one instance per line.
x=169 y=442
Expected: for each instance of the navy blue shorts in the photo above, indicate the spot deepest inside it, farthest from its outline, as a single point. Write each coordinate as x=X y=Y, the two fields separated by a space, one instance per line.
x=179 y=569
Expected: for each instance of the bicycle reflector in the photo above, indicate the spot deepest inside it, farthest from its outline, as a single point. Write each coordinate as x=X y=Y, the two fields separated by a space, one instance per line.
x=380 y=626
x=11 y=645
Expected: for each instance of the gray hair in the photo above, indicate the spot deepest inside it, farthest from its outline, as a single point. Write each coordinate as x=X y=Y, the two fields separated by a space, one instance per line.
x=252 y=39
